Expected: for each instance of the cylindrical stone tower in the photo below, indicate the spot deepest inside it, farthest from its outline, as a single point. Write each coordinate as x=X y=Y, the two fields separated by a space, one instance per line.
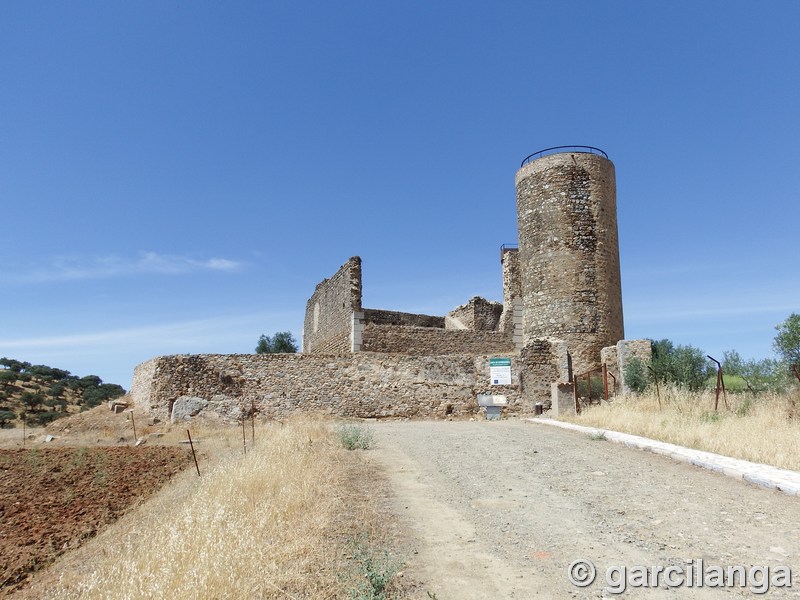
x=569 y=251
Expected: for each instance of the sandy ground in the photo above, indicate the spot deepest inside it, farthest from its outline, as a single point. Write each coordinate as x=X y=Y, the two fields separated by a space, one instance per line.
x=501 y=509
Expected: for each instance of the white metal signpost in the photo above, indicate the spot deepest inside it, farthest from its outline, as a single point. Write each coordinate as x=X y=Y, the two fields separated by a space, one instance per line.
x=500 y=371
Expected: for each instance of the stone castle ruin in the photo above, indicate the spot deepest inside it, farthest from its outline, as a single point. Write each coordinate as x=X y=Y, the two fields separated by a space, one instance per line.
x=561 y=315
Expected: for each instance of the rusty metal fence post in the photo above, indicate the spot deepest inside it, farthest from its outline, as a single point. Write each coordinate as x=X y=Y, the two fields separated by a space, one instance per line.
x=194 y=456
x=655 y=379
x=720 y=385
x=133 y=424
x=575 y=393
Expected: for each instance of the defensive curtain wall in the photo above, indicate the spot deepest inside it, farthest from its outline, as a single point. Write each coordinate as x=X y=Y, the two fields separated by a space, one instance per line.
x=562 y=307
x=363 y=385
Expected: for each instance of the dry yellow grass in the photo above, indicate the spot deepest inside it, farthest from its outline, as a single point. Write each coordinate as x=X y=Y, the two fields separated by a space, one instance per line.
x=762 y=428
x=276 y=523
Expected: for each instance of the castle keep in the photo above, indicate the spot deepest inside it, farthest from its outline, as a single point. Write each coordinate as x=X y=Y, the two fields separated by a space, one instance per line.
x=561 y=313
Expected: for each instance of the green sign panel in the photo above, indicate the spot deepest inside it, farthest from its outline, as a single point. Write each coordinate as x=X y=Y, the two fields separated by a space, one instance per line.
x=500 y=371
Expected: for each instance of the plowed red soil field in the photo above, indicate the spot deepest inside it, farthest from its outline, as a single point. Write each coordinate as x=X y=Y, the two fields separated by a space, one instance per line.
x=52 y=499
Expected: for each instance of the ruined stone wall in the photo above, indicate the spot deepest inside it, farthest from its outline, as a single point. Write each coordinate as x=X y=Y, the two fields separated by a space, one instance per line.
x=478 y=314
x=512 y=287
x=430 y=340
x=358 y=385
x=569 y=253
x=608 y=357
x=544 y=362
x=629 y=349
x=327 y=328
x=618 y=356
x=392 y=317
x=144 y=380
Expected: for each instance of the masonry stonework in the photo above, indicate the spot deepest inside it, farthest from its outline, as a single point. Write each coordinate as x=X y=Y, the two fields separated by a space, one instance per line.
x=512 y=287
x=478 y=314
x=569 y=253
x=392 y=317
x=327 y=328
x=364 y=385
x=627 y=350
x=429 y=340
x=562 y=307
x=544 y=361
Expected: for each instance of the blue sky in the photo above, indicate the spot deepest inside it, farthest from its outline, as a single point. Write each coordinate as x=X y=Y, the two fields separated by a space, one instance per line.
x=176 y=177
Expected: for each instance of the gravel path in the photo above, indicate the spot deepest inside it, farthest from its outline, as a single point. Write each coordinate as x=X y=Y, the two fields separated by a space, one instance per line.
x=500 y=510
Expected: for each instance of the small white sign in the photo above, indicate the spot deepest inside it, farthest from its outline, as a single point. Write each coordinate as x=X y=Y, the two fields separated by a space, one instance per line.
x=500 y=371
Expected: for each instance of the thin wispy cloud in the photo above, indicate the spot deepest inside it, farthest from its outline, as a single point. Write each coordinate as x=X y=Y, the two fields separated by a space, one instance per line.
x=644 y=314
x=113 y=352
x=209 y=330
x=72 y=268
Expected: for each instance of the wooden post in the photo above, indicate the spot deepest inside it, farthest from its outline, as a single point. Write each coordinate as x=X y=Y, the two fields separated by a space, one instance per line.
x=253 y=422
x=589 y=387
x=575 y=393
x=658 y=391
x=134 y=429
x=244 y=436
x=191 y=445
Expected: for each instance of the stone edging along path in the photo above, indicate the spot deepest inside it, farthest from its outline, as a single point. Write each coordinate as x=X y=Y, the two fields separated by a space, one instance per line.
x=766 y=476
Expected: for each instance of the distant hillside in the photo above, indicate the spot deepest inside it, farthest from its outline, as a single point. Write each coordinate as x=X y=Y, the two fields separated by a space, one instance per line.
x=40 y=394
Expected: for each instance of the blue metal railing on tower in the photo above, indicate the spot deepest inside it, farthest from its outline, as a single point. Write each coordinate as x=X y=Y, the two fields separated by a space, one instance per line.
x=560 y=149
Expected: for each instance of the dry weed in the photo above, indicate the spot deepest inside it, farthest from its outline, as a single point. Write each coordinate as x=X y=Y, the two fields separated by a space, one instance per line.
x=274 y=523
x=762 y=428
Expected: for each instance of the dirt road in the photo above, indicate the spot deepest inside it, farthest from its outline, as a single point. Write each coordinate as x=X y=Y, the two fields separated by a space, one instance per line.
x=501 y=509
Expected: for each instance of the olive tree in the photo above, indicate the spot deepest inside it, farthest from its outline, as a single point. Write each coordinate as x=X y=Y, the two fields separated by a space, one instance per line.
x=787 y=342
x=281 y=342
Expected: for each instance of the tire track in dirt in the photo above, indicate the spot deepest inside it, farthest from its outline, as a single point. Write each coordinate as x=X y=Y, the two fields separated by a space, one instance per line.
x=499 y=510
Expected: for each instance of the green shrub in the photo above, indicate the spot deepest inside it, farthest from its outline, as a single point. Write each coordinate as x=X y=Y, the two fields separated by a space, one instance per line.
x=711 y=416
x=7 y=419
x=377 y=568
x=355 y=437
x=596 y=386
x=636 y=374
x=685 y=366
x=43 y=418
x=744 y=407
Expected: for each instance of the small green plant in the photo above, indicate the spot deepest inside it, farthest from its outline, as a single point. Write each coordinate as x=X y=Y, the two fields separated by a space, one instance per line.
x=100 y=478
x=595 y=386
x=636 y=374
x=598 y=436
x=355 y=437
x=744 y=407
x=377 y=568
x=79 y=458
x=711 y=417
x=34 y=458
x=7 y=419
